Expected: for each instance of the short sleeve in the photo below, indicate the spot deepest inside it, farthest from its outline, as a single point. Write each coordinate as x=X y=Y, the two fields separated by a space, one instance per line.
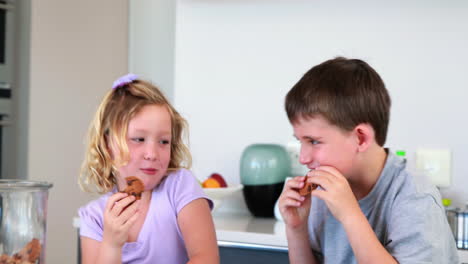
x=418 y=232
x=91 y=220
x=185 y=188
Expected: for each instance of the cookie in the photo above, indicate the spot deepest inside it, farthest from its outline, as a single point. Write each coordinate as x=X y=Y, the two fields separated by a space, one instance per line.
x=31 y=251
x=135 y=187
x=307 y=189
x=29 y=254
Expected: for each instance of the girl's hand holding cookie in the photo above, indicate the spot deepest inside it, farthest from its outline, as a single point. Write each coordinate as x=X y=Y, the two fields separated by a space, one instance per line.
x=120 y=214
x=294 y=207
x=335 y=192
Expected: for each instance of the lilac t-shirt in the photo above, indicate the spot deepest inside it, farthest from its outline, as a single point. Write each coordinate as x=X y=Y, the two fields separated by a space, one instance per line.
x=160 y=239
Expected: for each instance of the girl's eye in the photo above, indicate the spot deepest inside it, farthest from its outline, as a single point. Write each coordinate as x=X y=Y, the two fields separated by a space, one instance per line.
x=164 y=142
x=138 y=139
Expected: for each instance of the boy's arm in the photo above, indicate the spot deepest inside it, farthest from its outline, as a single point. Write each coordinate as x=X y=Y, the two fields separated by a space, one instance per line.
x=197 y=227
x=299 y=246
x=337 y=194
x=295 y=210
x=366 y=247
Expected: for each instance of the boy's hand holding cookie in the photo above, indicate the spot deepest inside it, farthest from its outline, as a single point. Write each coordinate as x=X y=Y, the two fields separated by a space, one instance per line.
x=294 y=208
x=335 y=192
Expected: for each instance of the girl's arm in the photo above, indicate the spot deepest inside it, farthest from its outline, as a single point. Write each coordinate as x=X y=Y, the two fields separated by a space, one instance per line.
x=196 y=223
x=92 y=250
x=120 y=214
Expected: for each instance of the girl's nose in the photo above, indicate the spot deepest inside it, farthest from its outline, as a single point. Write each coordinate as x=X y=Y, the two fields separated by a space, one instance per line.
x=151 y=152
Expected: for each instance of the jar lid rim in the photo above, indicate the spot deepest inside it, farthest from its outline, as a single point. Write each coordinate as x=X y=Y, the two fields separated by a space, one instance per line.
x=11 y=184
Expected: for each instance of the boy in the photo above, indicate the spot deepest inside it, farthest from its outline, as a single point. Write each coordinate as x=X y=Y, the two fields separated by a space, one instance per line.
x=368 y=208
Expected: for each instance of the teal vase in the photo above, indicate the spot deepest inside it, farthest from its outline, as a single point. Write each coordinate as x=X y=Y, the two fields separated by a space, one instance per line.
x=263 y=170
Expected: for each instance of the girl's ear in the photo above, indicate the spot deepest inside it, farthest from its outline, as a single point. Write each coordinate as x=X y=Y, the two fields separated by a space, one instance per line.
x=365 y=136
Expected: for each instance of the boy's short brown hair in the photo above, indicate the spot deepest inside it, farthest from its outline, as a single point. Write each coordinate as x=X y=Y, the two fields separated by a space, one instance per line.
x=346 y=92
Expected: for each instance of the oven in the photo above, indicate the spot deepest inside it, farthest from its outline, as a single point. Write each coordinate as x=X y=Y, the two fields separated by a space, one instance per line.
x=7 y=38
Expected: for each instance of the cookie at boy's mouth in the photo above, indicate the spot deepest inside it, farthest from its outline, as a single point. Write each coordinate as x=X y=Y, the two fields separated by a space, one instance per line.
x=308 y=188
x=134 y=187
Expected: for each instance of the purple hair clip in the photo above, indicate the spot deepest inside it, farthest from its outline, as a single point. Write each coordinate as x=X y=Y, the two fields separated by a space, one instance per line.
x=126 y=79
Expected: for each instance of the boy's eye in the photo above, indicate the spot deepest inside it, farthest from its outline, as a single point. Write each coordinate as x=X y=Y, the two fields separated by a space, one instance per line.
x=314 y=142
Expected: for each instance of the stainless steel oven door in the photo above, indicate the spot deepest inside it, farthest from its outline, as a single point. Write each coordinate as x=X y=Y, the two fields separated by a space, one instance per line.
x=7 y=38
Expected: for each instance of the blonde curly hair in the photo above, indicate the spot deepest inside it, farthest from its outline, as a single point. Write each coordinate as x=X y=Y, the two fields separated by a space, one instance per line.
x=111 y=120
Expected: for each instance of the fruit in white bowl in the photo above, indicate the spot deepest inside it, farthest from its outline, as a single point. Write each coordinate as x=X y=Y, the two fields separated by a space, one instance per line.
x=214 y=181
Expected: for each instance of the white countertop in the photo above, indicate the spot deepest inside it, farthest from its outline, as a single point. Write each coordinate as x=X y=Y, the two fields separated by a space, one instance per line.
x=463 y=255
x=244 y=228
x=241 y=228
x=264 y=232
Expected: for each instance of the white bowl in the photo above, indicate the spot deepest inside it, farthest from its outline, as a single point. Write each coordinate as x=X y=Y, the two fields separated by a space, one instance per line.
x=217 y=195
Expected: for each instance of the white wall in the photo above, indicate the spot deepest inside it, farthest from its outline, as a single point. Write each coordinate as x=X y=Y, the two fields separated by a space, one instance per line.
x=76 y=48
x=151 y=42
x=235 y=61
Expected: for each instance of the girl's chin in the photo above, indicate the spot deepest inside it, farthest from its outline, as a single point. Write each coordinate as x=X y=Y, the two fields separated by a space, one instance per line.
x=149 y=184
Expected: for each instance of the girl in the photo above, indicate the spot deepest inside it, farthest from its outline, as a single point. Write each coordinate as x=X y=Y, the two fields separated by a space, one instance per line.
x=136 y=132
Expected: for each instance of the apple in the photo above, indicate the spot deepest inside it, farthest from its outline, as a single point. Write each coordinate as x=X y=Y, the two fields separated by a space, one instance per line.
x=219 y=179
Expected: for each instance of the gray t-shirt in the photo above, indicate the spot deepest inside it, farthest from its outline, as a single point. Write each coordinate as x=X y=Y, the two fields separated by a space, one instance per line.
x=406 y=214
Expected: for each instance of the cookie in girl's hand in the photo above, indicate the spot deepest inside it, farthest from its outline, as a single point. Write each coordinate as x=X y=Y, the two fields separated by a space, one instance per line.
x=135 y=187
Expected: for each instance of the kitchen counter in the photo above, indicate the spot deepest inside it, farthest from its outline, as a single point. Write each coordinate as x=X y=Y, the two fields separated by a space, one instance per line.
x=463 y=256
x=244 y=229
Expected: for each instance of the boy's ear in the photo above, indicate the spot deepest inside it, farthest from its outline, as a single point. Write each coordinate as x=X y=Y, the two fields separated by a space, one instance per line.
x=365 y=136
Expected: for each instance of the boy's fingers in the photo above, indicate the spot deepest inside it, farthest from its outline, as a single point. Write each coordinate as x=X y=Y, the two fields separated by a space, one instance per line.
x=294 y=194
x=322 y=180
x=332 y=171
x=288 y=202
x=321 y=194
x=296 y=182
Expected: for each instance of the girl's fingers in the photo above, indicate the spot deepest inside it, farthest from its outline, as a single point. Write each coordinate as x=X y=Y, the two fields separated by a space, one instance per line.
x=113 y=199
x=122 y=204
x=131 y=221
x=130 y=210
